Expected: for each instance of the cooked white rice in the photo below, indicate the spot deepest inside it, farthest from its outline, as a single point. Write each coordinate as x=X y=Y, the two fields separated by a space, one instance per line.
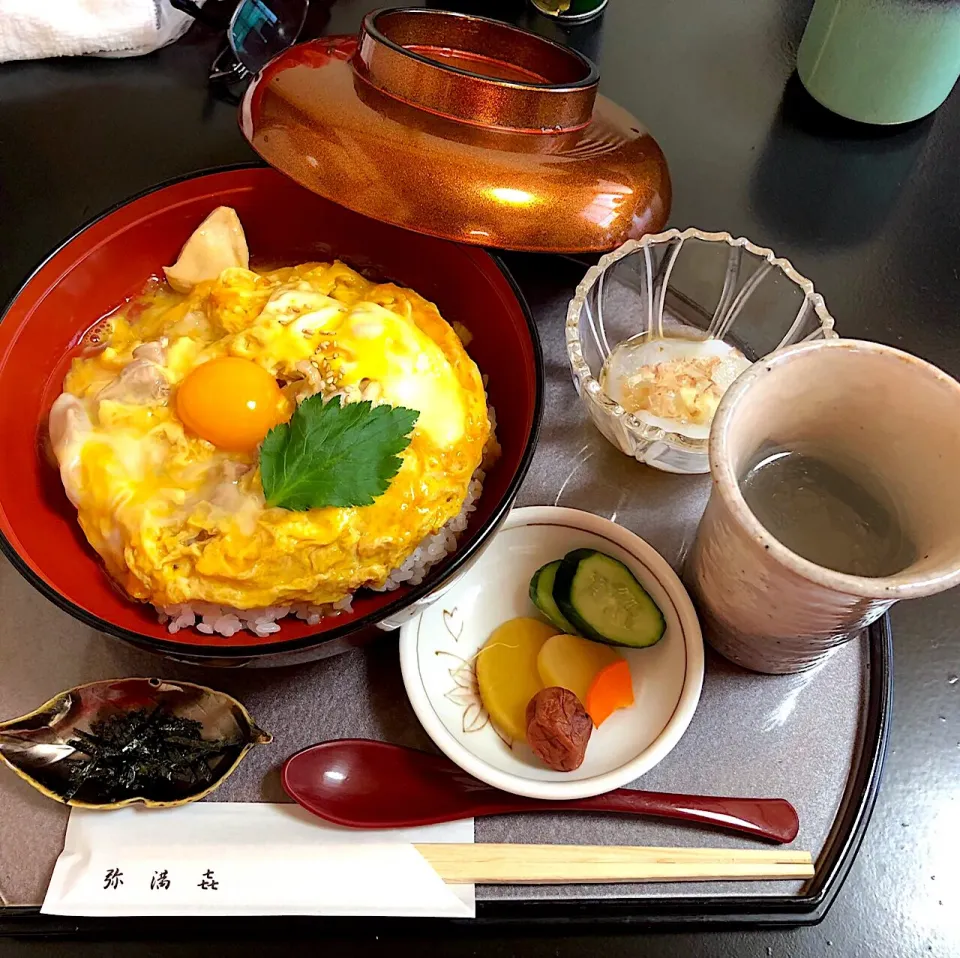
x=210 y=618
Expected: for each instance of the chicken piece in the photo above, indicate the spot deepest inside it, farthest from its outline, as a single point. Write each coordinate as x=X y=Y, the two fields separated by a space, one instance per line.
x=218 y=243
x=233 y=470
x=69 y=427
x=139 y=383
x=153 y=352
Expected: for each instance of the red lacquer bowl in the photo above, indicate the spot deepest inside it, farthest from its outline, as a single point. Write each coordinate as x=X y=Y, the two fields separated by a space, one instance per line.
x=110 y=260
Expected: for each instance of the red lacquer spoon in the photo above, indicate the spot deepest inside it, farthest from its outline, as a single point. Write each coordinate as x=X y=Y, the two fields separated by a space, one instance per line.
x=366 y=784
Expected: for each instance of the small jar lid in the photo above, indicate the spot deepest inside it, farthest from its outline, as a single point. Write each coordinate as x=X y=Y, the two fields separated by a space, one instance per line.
x=461 y=127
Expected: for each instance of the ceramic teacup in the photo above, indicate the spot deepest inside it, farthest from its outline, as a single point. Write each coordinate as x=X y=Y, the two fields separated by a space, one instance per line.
x=762 y=605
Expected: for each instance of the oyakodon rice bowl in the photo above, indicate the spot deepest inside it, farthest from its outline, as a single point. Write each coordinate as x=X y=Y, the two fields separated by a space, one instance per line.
x=242 y=446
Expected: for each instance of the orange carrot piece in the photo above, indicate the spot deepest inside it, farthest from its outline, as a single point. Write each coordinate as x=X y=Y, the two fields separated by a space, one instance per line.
x=612 y=689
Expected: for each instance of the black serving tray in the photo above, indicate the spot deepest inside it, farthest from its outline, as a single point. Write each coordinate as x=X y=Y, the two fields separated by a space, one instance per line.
x=817 y=739
x=806 y=907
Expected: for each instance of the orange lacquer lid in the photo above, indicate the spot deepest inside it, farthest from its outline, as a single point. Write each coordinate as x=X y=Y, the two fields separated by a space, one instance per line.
x=460 y=127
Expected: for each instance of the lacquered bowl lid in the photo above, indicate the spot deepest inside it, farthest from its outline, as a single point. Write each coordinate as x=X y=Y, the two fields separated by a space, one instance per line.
x=460 y=127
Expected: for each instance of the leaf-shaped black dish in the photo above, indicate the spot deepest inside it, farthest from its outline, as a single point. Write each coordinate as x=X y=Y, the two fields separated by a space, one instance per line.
x=113 y=743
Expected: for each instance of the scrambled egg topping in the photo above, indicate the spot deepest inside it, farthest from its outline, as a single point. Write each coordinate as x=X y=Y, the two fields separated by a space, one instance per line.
x=179 y=519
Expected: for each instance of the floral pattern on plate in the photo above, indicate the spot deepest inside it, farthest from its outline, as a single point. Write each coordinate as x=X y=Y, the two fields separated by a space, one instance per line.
x=466 y=689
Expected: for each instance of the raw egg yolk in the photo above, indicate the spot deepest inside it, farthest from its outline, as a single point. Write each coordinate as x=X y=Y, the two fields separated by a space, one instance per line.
x=230 y=402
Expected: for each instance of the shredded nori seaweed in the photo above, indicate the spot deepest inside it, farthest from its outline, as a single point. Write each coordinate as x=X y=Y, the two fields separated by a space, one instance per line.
x=143 y=753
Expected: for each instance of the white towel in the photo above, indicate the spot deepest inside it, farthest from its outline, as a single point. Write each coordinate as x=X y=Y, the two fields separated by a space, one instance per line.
x=33 y=29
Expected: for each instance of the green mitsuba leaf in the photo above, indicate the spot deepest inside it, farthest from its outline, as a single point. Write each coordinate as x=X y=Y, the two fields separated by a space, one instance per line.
x=334 y=454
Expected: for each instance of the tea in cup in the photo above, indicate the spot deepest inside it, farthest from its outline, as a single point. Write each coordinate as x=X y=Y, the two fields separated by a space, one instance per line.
x=835 y=467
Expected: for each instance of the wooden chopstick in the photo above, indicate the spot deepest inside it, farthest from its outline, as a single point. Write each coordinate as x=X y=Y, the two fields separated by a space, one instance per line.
x=558 y=864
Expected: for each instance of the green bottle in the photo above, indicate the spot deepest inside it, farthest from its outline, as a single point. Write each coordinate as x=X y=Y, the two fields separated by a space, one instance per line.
x=881 y=61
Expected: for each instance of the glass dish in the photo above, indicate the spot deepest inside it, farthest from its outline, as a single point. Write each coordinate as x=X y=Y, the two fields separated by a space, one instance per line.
x=690 y=284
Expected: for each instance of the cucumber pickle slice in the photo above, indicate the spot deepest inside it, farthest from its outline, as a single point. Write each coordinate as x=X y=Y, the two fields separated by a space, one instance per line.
x=603 y=600
x=541 y=593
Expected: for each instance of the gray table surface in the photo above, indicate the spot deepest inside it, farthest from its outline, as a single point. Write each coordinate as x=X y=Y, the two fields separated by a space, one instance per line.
x=872 y=216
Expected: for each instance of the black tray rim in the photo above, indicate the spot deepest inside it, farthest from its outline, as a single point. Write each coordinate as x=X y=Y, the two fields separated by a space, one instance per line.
x=601 y=915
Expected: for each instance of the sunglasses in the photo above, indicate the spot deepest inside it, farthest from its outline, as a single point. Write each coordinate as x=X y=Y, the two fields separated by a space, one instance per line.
x=257 y=31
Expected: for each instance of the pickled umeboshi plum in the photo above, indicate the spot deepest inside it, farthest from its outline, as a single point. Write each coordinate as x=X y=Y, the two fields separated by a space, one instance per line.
x=558 y=729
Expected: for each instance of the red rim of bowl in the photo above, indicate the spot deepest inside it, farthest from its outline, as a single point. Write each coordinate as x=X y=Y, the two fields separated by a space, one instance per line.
x=449 y=569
